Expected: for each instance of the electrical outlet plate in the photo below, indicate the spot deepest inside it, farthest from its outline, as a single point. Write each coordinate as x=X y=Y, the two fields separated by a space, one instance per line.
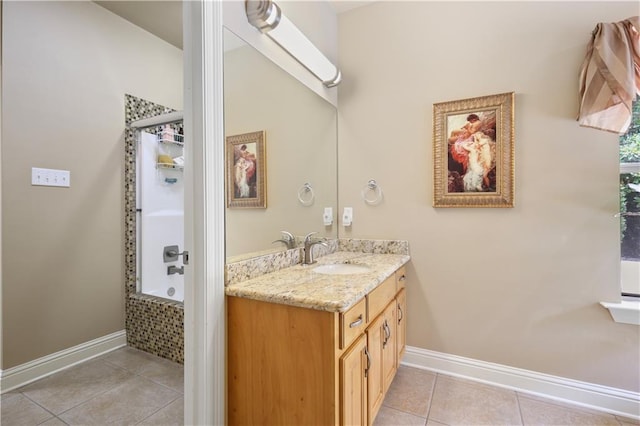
x=327 y=217
x=347 y=216
x=50 y=177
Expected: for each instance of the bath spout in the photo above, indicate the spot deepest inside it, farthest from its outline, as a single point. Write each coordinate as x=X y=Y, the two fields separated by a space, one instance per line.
x=175 y=270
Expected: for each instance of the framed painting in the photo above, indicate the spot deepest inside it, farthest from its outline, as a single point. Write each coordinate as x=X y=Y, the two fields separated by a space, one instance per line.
x=246 y=170
x=473 y=152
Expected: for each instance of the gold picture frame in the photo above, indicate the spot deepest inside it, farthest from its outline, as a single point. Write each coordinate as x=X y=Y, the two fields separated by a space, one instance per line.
x=246 y=173
x=473 y=152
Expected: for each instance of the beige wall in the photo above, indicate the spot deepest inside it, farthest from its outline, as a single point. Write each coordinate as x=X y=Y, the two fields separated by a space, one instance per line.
x=66 y=68
x=520 y=286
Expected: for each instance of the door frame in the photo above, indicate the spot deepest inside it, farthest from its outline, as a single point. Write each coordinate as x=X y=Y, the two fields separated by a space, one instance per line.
x=204 y=303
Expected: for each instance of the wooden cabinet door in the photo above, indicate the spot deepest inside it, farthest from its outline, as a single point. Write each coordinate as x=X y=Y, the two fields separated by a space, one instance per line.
x=375 y=378
x=389 y=348
x=353 y=384
x=401 y=341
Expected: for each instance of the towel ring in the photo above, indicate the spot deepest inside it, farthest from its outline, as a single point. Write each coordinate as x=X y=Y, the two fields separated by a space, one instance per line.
x=372 y=193
x=306 y=195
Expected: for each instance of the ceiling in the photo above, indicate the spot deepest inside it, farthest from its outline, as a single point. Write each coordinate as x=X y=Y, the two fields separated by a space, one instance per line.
x=164 y=18
x=161 y=18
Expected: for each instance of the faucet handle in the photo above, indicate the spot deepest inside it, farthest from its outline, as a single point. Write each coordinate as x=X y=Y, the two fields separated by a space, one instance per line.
x=288 y=235
x=307 y=238
x=288 y=239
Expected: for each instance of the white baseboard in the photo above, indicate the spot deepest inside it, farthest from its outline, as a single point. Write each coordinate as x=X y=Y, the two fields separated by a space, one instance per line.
x=23 y=374
x=611 y=400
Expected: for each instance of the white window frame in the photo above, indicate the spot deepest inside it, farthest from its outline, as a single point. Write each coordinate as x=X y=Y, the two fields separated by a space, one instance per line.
x=630 y=270
x=627 y=311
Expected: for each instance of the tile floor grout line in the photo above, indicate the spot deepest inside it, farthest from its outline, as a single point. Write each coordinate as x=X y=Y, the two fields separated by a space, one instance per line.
x=159 y=384
x=40 y=405
x=56 y=418
x=95 y=396
x=159 y=409
x=384 y=404
x=178 y=396
x=34 y=402
x=519 y=409
x=146 y=377
x=566 y=405
x=62 y=421
x=433 y=391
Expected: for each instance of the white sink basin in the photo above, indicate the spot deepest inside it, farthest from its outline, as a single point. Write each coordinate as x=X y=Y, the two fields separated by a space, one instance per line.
x=341 y=269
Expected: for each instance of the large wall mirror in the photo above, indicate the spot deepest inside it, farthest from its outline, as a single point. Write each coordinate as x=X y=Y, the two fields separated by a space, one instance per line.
x=300 y=131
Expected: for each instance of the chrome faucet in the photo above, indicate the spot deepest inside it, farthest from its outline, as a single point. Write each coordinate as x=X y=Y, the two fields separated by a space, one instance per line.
x=288 y=239
x=308 y=248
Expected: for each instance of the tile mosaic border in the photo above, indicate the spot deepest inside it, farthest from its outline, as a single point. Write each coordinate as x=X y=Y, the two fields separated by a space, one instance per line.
x=156 y=326
x=152 y=324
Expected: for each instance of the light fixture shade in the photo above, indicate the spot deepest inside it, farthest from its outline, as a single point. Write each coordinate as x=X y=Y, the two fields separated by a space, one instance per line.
x=267 y=17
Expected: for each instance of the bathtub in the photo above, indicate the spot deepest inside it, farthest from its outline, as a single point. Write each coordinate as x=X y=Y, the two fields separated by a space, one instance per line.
x=158 y=230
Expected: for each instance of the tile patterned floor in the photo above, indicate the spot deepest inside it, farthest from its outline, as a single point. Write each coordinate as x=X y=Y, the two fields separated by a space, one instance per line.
x=418 y=397
x=124 y=387
x=130 y=387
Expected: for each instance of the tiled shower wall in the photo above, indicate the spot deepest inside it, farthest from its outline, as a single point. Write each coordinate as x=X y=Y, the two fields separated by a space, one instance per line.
x=153 y=324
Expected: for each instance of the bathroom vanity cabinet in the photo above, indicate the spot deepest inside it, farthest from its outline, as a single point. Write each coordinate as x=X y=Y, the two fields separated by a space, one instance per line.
x=295 y=365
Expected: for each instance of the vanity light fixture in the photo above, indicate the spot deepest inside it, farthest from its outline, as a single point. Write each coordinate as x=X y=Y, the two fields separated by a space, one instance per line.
x=267 y=17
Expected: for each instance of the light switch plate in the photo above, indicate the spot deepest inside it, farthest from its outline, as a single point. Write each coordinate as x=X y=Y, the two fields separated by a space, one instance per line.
x=50 y=177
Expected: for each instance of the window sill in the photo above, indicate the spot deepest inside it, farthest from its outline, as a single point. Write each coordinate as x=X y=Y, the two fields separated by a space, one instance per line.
x=626 y=311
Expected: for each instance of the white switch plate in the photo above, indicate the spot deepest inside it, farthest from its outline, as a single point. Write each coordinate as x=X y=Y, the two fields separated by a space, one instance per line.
x=50 y=177
x=347 y=216
x=327 y=217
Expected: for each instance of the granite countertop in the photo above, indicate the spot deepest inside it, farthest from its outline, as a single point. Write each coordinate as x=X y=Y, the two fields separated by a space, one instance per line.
x=300 y=286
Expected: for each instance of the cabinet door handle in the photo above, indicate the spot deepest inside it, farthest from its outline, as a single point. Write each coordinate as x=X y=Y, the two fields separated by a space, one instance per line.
x=400 y=314
x=356 y=322
x=387 y=333
x=366 y=370
x=402 y=278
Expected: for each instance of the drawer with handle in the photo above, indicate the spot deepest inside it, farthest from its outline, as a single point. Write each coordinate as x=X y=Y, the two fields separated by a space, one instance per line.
x=380 y=297
x=352 y=323
x=401 y=278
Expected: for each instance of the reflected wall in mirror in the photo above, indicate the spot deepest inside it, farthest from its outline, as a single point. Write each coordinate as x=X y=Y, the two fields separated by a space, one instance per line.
x=301 y=147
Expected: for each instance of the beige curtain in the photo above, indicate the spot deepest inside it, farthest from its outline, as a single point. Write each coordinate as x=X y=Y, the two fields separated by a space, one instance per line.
x=610 y=76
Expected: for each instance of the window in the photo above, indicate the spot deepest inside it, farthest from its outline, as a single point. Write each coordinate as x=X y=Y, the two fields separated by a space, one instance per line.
x=630 y=206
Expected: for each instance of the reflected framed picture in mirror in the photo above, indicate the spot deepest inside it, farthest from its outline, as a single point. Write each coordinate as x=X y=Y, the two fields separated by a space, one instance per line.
x=473 y=152
x=246 y=170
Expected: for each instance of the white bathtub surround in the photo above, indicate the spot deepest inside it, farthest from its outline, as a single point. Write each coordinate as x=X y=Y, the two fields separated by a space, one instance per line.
x=161 y=206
